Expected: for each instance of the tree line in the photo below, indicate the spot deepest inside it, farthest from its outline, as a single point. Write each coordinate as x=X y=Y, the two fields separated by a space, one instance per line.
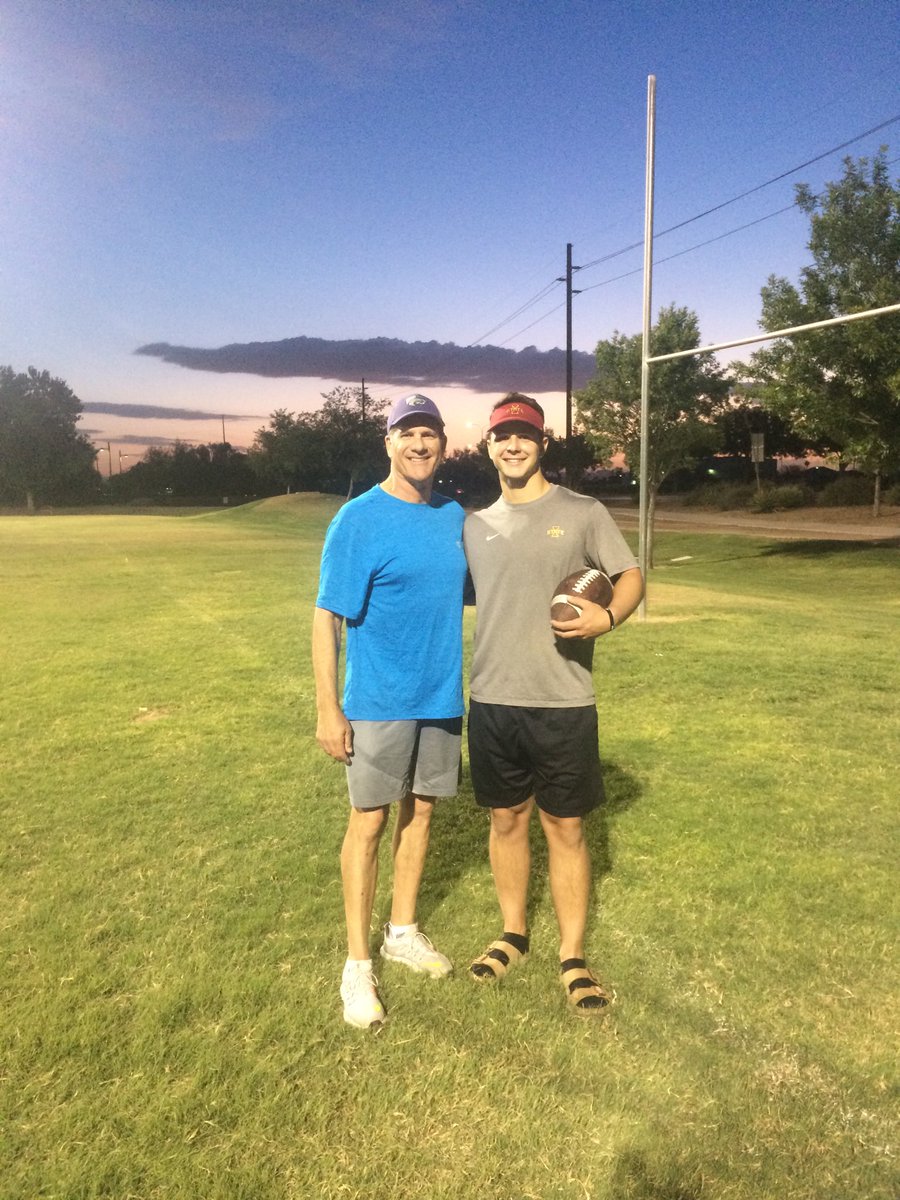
x=833 y=391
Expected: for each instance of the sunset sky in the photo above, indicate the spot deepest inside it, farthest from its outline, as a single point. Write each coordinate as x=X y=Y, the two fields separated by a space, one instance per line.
x=178 y=177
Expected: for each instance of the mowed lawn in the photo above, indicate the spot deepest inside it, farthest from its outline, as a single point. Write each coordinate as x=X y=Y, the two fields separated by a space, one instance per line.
x=172 y=921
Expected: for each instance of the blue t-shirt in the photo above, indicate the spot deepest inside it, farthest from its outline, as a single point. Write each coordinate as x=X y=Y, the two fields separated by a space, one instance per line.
x=395 y=572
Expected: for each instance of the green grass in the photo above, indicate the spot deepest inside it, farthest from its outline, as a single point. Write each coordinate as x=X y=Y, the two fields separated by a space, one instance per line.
x=172 y=915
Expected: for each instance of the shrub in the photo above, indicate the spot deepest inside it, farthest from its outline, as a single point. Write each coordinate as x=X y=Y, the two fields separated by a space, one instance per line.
x=720 y=495
x=848 y=489
x=776 y=499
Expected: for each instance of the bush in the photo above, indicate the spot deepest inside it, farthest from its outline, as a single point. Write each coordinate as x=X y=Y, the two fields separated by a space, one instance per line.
x=777 y=499
x=848 y=489
x=721 y=495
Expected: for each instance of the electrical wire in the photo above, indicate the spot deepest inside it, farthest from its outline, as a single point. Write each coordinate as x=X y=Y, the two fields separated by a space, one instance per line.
x=668 y=258
x=749 y=192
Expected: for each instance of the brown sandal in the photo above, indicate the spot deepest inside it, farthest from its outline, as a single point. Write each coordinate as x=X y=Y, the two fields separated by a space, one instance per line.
x=584 y=991
x=500 y=956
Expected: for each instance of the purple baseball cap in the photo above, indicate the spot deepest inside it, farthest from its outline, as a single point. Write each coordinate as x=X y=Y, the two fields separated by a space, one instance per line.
x=413 y=406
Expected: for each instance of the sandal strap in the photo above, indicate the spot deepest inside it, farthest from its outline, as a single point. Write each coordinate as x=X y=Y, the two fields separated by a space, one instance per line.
x=496 y=960
x=584 y=990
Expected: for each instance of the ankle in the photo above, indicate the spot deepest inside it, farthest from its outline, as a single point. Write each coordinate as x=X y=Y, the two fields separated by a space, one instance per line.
x=357 y=966
x=396 y=931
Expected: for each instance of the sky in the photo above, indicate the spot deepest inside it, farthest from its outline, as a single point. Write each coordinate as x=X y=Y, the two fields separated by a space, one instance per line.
x=211 y=211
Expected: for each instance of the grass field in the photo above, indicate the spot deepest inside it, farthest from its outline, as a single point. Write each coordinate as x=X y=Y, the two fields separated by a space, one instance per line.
x=172 y=920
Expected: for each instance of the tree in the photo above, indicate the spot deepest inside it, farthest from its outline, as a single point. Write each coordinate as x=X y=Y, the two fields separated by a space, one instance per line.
x=841 y=385
x=208 y=473
x=684 y=397
x=330 y=450
x=42 y=455
x=740 y=419
x=469 y=476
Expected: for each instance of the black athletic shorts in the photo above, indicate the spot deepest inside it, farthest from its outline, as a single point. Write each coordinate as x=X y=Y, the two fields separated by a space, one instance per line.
x=550 y=753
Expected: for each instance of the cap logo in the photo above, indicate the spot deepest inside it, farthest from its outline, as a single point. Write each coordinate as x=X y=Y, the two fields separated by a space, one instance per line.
x=416 y=401
x=515 y=408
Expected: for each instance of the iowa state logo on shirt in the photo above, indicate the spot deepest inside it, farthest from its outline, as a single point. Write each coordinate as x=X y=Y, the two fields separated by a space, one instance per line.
x=555 y=531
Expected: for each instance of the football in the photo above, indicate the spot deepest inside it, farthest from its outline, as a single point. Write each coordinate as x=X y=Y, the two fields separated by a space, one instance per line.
x=590 y=583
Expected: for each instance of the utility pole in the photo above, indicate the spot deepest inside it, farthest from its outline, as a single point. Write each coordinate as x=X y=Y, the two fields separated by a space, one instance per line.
x=224 y=442
x=362 y=400
x=570 y=292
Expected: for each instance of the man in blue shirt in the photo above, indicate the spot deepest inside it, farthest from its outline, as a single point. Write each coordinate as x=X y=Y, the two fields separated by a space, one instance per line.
x=393 y=570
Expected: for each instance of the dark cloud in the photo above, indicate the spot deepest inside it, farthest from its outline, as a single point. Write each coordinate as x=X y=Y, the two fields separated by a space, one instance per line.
x=156 y=412
x=142 y=439
x=389 y=361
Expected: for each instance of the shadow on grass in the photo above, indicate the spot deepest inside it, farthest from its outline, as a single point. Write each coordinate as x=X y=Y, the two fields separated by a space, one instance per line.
x=637 y=1176
x=622 y=790
x=460 y=839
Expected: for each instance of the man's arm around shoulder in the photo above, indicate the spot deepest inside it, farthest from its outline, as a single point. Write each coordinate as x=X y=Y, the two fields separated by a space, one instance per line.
x=333 y=731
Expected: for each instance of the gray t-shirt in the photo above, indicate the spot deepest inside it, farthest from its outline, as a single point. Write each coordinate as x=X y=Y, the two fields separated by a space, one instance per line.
x=517 y=554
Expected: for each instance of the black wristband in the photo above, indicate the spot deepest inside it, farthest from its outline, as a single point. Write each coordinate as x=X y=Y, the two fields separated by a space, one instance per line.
x=612 y=619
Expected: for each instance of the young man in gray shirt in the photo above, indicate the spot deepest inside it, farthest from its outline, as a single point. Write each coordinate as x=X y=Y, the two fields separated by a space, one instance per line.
x=532 y=713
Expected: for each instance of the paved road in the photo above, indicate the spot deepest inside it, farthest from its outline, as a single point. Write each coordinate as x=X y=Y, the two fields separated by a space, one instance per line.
x=839 y=524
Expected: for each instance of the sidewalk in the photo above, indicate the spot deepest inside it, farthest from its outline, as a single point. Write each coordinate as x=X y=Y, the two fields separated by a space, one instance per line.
x=813 y=524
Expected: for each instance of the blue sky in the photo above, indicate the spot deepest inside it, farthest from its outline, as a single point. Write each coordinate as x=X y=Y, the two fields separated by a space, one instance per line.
x=207 y=174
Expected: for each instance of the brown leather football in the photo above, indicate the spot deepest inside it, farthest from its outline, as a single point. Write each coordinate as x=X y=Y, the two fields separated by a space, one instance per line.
x=589 y=582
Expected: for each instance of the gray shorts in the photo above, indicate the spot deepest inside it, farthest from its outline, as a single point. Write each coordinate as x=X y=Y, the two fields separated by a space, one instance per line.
x=393 y=758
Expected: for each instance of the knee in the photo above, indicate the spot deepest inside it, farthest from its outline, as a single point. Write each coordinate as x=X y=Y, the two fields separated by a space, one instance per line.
x=417 y=809
x=366 y=825
x=511 y=822
x=565 y=832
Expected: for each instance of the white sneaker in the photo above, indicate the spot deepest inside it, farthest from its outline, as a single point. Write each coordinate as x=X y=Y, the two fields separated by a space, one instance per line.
x=415 y=951
x=362 y=1005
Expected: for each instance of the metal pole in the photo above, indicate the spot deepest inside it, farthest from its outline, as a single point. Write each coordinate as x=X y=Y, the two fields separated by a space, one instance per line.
x=643 y=511
x=362 y=400
x=777 y=333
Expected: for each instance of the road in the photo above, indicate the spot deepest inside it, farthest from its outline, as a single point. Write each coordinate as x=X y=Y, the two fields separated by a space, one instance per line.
x=811 y=524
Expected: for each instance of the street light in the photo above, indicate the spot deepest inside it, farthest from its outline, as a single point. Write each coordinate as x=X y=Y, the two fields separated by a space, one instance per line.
x=121 y=456
x=108 y=452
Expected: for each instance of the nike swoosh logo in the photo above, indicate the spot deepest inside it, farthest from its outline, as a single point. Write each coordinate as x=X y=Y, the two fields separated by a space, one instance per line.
x=491 y=537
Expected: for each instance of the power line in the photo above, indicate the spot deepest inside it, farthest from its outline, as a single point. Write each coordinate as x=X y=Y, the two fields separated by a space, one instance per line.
x=512 y=316
x=785 y=174
x=749 y=192
x=545 y=291
x=697 y=246
x=668 y=258
x=679 y=225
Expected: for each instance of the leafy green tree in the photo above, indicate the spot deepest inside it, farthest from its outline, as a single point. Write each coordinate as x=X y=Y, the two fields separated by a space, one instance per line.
x=42 y=455
x=685 y=395
x=331 y=450
x=841 y=385
x=206 y=473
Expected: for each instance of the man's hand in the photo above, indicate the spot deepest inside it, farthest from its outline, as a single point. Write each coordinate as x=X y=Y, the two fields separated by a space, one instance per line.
x=335 y=735
x=593 y=621
x=333 y=731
